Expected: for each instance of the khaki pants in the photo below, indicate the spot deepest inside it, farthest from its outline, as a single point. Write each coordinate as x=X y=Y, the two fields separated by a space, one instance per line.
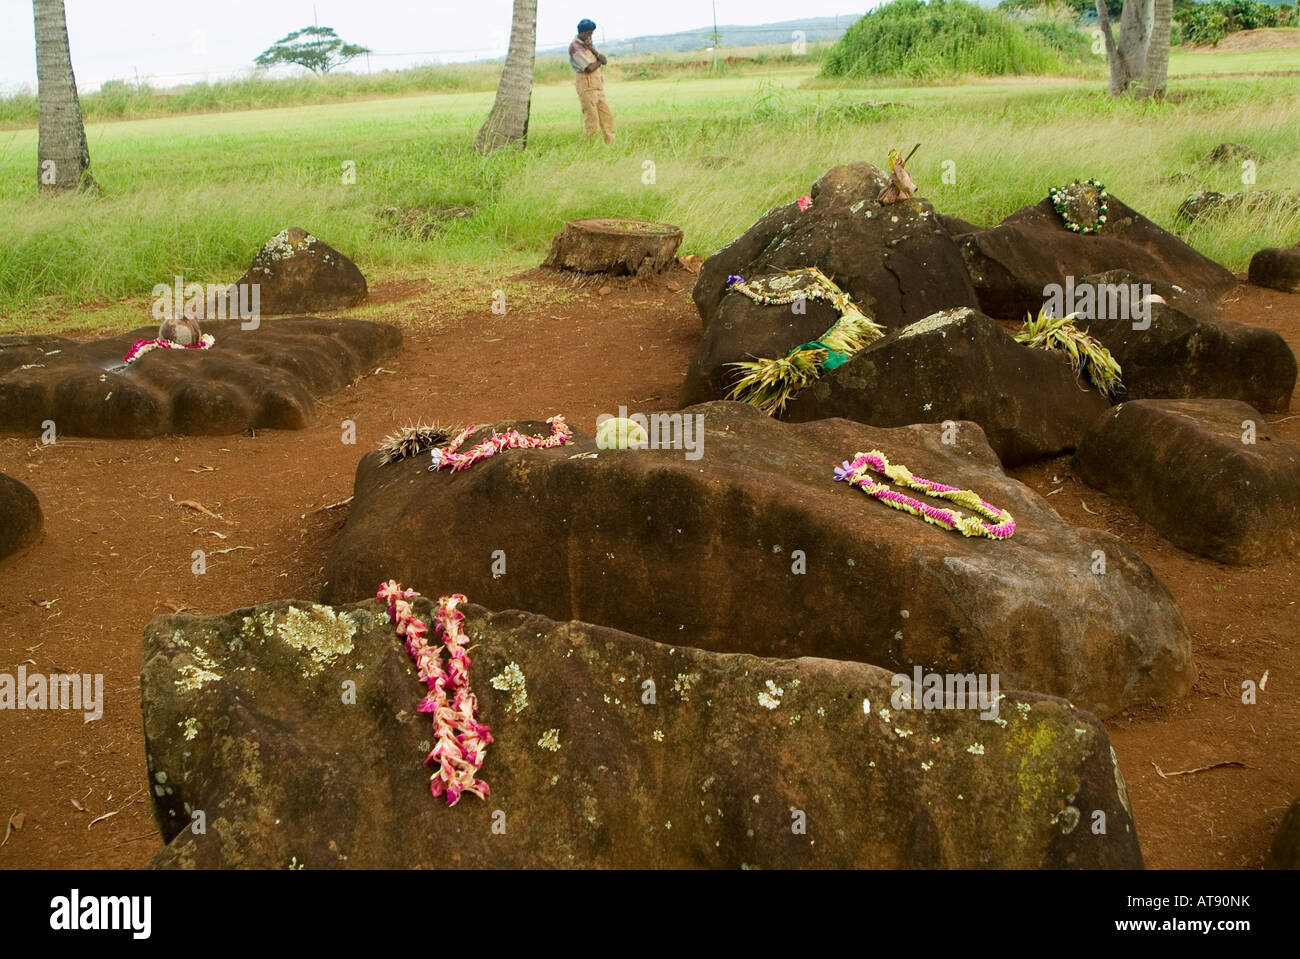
x=596 y=115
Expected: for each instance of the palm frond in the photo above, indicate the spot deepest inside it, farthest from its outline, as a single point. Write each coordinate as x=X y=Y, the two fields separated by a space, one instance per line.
x=1087 y=357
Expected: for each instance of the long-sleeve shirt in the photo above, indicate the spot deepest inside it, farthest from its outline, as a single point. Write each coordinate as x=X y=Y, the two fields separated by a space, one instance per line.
x=581 y=56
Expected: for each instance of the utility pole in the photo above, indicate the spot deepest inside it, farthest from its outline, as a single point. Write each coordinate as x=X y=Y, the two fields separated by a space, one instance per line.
x=715 y=36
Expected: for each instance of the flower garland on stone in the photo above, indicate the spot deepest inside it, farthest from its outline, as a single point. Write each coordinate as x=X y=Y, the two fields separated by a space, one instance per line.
x=858 y=473
x=1061 y=201
x=462 y=740
x=769 y=383
x=494 y=444
x=140 y=347
x=1087 y=356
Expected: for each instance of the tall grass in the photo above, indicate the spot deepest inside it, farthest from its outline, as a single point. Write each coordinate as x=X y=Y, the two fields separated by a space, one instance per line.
x=198 y=195
x=915 y=40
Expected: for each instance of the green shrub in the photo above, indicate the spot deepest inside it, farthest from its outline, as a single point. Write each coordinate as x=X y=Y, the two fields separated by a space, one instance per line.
x=1211 y=22
x=916 y=40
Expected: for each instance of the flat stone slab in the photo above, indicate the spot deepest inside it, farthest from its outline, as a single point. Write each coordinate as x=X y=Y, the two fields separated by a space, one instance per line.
x=752 y=546
x=266 y=378
x=20 y=517
x=1182 y=465
x=961 y=365
x=735 y=761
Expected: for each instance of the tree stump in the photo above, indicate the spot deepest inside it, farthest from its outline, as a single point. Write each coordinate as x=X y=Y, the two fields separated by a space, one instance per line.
x=615 y=246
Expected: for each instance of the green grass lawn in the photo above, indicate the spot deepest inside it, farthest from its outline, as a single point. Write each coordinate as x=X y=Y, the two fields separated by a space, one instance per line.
x=197 y=195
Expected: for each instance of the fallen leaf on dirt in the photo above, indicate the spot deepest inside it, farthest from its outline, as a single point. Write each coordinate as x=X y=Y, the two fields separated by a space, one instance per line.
x=1263 y=681
x=1086 y=510
x=15 y=824
x=228 y=549
x=77 y=806
x=107 y=815
x=199 y=507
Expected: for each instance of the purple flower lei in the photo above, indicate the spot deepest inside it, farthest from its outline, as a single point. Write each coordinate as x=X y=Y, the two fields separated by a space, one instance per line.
x=857 y=473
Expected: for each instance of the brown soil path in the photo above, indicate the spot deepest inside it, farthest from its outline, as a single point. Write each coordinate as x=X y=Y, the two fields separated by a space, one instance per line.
x=117 y=551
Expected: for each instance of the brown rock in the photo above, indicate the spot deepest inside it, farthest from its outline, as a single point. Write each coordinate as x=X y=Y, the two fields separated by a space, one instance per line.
x=264 y=378
x=736 y=761
x=1010 y=264
x=20 y=517
x=741 y=330
x=702 y=552
x=297 y=273
x=1182 y=465
x=895 y=260
x=1276 y=269
x=1187 y=351
x=1284 y=853
x=961 y=365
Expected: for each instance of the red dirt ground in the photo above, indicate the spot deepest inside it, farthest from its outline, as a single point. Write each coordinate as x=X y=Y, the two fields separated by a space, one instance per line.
x=117 y=551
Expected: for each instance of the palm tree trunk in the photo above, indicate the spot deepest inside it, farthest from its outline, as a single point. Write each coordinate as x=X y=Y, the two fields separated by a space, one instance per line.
x=63 y=157
x=508 y=121
x=1157 y=69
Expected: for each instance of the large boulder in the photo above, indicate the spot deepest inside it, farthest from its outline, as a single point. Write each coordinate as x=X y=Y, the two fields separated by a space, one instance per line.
x=291 y=732
x=750 y=546
x=1209 y=475
x=1184 y=350
x=1277 y=269
x=20 y=517
x=1011 y=264
x=297 y=273
x=961 y=365
x=264 y=378
x=895 y=260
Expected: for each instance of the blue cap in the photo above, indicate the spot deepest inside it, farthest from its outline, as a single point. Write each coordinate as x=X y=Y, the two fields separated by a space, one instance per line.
x=585 y=26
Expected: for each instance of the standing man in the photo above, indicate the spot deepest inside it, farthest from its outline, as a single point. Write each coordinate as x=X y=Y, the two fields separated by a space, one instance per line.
x=586 y=63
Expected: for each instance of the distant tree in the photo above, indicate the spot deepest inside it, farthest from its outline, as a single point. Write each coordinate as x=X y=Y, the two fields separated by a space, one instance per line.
x=319 y=49
x=507 y=124
x=62 y=155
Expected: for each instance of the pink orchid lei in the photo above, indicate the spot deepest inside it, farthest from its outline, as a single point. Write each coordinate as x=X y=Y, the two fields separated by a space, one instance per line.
x=858 y=474
x=140 y=347
x=804 y=203
x=509 y=440
x=461 y=739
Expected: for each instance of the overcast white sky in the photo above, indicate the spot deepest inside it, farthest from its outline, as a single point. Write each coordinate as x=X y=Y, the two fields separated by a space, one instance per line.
x=178 y=41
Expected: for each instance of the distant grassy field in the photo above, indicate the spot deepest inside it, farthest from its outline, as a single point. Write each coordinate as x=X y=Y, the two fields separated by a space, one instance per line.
x=198 y=195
